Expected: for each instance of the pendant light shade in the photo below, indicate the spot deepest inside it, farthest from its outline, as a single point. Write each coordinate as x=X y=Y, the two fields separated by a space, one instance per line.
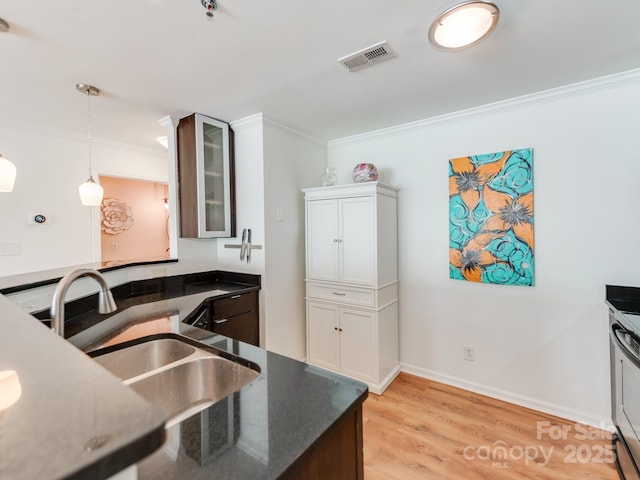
x=10 y=389
x=463 y=25
x=91 y=193
x=7 y=175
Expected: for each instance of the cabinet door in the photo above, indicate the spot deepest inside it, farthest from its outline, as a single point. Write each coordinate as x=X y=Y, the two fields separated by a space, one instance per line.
x=357 y=343
x=235 y=305
x=322 y=240
x=205 y=178
x=242 y=327
x=357 y=261
x=322 y=334
x=212 y=140
x=237 y=317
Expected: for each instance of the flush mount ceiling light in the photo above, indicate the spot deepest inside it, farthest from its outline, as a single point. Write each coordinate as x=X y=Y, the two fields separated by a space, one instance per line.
x=90 y=191
x=463 y=25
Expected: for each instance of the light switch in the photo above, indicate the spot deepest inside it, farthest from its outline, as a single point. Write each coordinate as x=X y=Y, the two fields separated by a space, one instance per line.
x=279 y=214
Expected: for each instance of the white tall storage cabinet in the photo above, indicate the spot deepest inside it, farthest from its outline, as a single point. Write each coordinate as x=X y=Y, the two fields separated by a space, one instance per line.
x=352 y=281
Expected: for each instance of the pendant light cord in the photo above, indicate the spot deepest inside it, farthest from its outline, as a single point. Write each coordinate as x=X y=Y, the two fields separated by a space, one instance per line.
x=89 y=133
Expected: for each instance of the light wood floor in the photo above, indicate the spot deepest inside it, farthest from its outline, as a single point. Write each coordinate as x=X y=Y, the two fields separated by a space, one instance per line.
x=419 y=429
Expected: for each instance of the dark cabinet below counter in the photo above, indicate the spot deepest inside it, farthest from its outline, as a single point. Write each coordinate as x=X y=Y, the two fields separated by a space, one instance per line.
x=234 y=317
x=337 y=455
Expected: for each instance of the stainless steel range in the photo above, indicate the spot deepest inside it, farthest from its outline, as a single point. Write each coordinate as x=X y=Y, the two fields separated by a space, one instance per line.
x=624 y=341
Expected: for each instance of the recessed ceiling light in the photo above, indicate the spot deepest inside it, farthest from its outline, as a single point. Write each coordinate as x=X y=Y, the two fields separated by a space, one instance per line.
x=463 y=25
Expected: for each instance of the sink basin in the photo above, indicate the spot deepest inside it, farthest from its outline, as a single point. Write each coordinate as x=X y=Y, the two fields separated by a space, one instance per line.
x=192 y=386
x=141 y=358
x=179 y=376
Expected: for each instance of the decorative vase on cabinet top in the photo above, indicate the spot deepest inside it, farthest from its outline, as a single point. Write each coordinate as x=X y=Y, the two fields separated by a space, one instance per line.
x=365 y=172
x=329 y=177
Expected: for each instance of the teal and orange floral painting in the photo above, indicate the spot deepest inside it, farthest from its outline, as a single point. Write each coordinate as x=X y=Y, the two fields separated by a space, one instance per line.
x=491 y=218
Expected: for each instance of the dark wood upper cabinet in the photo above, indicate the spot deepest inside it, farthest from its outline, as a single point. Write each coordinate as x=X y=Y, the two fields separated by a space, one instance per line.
x=206 y=178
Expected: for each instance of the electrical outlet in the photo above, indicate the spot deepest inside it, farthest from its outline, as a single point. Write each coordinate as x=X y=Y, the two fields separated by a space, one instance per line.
x=469 y=353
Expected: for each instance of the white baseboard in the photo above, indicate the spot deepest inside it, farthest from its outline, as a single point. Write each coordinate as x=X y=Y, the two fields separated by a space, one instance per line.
x=382 y=386
x=521 y=400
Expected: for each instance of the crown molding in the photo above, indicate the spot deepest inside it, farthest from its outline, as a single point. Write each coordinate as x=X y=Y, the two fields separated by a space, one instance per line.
x=247 y=122
x=586 y=87
x=65 y=134
x=295 y=132
x=169 y=122
x=260 y=119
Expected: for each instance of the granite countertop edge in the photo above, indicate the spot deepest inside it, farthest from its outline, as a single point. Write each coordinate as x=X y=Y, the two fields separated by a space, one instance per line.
x=188 y=297
x=57 y=392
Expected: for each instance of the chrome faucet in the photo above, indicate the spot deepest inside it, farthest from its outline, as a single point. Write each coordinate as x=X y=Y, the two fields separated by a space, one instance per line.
x=106 y=303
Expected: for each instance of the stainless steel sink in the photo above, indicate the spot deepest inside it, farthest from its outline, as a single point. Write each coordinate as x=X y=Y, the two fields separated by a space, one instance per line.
x=142 y=358
x=190 y=387
x=179 y=376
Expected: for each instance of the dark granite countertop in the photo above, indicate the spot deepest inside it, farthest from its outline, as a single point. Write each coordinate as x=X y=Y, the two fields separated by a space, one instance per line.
x=262 y=431
x=624 y=299
x=65 y=400
x=81 y=314
x=624 y=305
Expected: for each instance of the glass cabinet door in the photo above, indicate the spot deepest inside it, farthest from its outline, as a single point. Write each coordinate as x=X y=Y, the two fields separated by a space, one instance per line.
x=205 y=178
x=214 y=178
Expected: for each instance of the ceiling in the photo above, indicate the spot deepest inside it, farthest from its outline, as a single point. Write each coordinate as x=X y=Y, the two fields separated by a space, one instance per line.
x=153 y=58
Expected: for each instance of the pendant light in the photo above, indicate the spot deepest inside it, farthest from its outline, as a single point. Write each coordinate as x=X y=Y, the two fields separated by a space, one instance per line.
x=90 y=191
x=463 y=25
x=7 y=175
x=10 y=390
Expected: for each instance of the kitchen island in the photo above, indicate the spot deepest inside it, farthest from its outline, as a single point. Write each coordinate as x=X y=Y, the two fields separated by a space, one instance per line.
x=293 y=421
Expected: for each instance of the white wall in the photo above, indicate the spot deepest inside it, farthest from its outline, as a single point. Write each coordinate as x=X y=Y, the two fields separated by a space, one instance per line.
x=50 y=167
x=273 y=163
x=51 y=164
x=292 y=162
x=543 y=346
x=249 y=161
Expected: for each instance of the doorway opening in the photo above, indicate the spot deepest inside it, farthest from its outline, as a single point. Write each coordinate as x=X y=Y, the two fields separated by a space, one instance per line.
x=134 y=221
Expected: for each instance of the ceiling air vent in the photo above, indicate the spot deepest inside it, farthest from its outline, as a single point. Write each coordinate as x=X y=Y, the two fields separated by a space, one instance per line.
x=368 y=56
